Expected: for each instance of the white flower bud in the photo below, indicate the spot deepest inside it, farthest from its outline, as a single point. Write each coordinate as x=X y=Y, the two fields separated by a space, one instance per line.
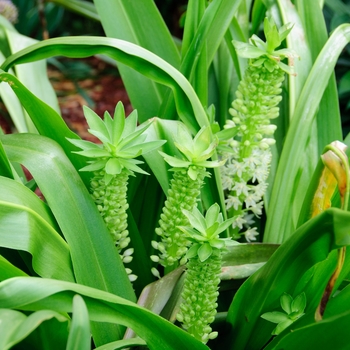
x=154 y=258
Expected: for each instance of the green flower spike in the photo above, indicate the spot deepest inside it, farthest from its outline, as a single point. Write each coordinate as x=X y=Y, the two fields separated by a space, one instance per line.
x=248 y=151
x=189 y=174
x=112 y=163
x=293 y=310
x=199 y=296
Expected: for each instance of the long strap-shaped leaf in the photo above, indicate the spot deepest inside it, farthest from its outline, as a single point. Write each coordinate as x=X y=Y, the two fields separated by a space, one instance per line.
x=95 y=260
x=188 y=106
x=140 y=23
x=38 y=293
x=310 y=244
x=26 y=224
x=281 y=223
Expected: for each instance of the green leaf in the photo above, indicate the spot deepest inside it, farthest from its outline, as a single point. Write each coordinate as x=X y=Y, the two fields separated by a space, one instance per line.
x=27 y=224
x=79 y=334
x=310 y=244
x=95 y=122
x=46 y=120
x=8 y=270
x=113 y=166
x=15 y=326
x=193 y=251
x=118 y=124
x=188 y=105
x=281 y=224
x=38 y=293
x=204 y=252
x=282 y=326
x=275 y=316
x=286 y=302
x=212 y=215
x=330 y=333
x=81 y=7
x=126 y=20
x=196 y=219
x=299 y=303
x=90 y=243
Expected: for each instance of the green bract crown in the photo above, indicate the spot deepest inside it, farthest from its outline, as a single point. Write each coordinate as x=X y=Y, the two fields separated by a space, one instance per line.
x=195 y=150
x=204 y=232
x=122 y=141
x=264 y=53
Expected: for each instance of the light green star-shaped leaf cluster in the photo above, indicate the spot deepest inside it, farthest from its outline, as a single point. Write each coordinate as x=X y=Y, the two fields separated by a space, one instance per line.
x=265 y=53
x=196 y=151
x=122 y=141
x=204 y=232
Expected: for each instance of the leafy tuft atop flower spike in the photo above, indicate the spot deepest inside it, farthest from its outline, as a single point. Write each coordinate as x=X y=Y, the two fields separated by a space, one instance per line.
x=189 y=173
x=200 y=292
x=122 y=141
x=248 y=135
x=264 y=53
x=112 y=163
x=204 y=232
x=196 y=151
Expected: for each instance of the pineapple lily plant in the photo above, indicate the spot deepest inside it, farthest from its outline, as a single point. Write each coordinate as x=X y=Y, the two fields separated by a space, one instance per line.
x=189 y=173
x=113 y=162
x=242 y=209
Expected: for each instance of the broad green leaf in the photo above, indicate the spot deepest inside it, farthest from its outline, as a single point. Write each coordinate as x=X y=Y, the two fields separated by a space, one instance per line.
x=79 y=333
x=38 y=293
x=12 y=104
x=128 y=21
x=5 y=166
x=275 y=316
x=145 y=62
x=280 y=224
x=46 y=120
x=204 y=252
x=330 y=333
x=8 y=270
x=211 y=31
x=310 y=244
x=16 y=326
x=94 y=257
x=27 y=224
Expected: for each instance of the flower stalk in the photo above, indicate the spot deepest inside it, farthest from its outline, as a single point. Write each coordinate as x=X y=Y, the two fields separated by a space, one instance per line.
x=113 y=162
x=200 y=292
x=247 y=150
x=189 y=173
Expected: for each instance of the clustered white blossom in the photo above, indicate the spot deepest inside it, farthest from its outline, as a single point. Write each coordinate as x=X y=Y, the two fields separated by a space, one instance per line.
x=248 y=155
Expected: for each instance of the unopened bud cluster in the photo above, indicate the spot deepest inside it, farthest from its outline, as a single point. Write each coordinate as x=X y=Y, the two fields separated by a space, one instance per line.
x=199 y=296
x=183 y=194
x=246 y=170
x=112 y=204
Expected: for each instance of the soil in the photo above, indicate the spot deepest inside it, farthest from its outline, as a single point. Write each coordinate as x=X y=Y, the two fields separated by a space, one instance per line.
x=90 y=82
